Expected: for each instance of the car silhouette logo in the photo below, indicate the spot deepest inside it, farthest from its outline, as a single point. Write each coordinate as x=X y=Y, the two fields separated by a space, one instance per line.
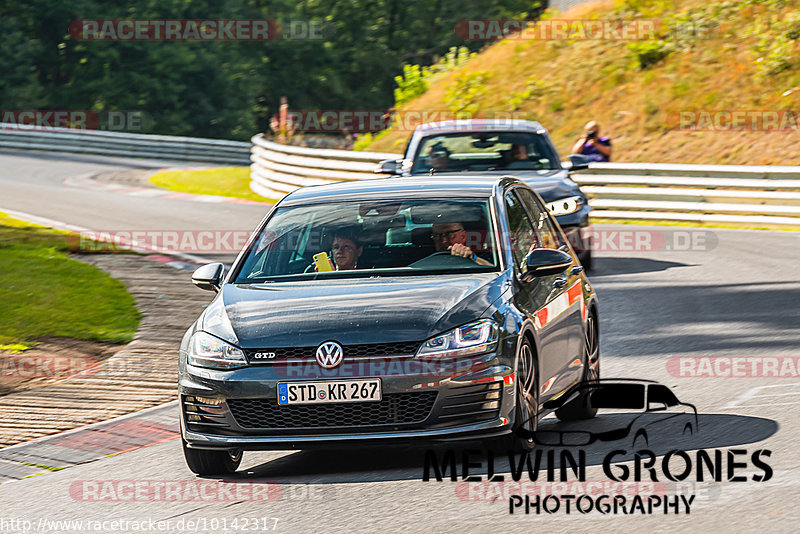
x=329 y=354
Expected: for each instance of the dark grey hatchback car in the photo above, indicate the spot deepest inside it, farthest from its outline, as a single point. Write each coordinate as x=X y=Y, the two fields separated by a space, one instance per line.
x=401 y=309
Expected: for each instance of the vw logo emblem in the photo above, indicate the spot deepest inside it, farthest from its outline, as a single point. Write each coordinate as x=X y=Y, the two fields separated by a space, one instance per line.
x=329 y=354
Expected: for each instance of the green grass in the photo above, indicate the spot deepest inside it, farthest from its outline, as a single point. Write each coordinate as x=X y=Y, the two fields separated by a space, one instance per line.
x=45 y=293
x=708 y=56
x=222 y=181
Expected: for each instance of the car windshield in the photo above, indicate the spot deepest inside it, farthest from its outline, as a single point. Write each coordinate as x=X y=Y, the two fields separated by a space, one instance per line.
x=484 y=151
x=372 y=238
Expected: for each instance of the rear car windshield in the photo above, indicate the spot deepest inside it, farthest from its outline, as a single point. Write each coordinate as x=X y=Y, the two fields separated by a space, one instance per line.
x=362 y=239
x=484 y=151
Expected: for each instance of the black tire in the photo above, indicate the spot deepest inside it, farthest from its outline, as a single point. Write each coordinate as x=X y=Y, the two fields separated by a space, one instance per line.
x=209 y=463
x=586 y=260
x=579 y=409
x=526 y=418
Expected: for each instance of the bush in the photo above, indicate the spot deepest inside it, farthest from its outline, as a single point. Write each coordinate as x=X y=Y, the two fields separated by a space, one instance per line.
x=410 y=84
x=648 y=53
x=467 y=89
x=533 y=89
x=415 y=78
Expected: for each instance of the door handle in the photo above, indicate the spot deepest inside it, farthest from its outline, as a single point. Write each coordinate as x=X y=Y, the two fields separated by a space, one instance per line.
x=576 y=270
x=561 y=281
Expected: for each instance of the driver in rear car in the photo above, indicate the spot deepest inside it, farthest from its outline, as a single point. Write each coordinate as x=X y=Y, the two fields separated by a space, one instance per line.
x=453 y=237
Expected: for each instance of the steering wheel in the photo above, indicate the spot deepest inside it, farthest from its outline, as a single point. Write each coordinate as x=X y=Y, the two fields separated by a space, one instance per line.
x=443 y=259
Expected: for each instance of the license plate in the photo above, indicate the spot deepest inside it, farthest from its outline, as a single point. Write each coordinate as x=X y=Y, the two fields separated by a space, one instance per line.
x=329 y=392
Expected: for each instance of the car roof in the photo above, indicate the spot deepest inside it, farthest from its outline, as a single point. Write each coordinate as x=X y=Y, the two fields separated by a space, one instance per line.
x=492 y=125
x=422 y=186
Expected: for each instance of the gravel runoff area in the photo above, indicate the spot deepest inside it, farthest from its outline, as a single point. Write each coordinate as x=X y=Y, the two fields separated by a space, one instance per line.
x=140 y=375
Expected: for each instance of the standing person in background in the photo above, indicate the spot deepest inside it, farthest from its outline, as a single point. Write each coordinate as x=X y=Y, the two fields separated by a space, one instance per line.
x=591 y=145
x=349 y=139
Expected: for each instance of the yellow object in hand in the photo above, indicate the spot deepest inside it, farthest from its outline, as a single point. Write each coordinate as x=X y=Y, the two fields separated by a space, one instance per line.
x=322 y=262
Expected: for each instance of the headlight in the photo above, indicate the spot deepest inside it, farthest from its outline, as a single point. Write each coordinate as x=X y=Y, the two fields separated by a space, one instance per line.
x=473 y=338
x=565 y=206
x=207 y=351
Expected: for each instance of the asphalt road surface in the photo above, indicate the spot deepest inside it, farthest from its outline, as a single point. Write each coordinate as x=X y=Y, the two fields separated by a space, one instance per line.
x=33 y=183
x=666 y=308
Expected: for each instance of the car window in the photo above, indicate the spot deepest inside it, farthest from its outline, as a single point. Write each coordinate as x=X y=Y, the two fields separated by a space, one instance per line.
x=521 y=234
x=549 y=235
x=371 y=237
x=482 y=151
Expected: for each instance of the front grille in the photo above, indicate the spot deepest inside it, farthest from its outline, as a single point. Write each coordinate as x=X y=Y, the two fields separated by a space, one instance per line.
x=477 y=402
x=407 y=348
x=394 y=409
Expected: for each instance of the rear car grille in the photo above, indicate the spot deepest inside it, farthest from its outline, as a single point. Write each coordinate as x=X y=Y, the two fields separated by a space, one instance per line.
x=394 y=409
x=407 y=348
x=476 y=402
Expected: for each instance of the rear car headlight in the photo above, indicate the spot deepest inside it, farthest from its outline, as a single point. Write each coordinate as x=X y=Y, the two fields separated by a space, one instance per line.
x=565 y=206
x=206 y=350
x=473 y=338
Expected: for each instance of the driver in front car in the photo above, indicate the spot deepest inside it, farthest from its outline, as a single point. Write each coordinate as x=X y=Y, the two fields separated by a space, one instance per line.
x=453 y=237
x=439 y=158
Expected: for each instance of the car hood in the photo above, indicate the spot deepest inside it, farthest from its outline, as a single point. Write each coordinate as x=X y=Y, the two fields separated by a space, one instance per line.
x=551 y=185
x=350 y=311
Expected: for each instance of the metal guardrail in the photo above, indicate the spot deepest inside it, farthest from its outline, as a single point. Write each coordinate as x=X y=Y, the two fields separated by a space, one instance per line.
x=166 y=147
x=721 y=194
x=280 y=169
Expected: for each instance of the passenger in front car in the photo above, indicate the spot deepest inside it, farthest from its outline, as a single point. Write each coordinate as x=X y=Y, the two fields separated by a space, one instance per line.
x=346 y=250
x=453 y=237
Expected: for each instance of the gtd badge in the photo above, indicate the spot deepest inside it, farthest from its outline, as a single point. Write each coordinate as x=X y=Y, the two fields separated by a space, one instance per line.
x=329 y=354
x=264 y=356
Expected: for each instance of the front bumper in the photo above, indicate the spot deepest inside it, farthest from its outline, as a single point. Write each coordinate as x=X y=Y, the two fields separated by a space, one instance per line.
x=466 y=399
x=197 y=440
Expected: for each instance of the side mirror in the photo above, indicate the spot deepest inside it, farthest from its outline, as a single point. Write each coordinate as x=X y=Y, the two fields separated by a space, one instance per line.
x=389 y=166
x=578 y=162
x=209 y=277
x=545 y=262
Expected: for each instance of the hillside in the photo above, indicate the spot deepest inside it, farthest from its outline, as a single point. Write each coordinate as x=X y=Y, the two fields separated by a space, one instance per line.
x=708 y=57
